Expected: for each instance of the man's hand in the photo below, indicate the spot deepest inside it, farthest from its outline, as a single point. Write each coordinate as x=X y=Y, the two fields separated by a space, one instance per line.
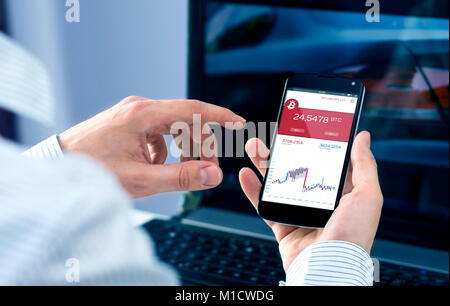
x=355 y=219
x=128 y=140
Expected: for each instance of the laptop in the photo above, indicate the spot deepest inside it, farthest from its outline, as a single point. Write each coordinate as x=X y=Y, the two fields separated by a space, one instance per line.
x=240 y=53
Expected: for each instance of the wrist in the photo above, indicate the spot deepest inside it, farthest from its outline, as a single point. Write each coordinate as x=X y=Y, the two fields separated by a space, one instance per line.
x=67 y=141
x=63 y=141
x=347 y=264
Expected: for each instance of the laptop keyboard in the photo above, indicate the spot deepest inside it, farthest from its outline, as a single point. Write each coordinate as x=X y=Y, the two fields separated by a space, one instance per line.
x=397 y=275
x=210 y=257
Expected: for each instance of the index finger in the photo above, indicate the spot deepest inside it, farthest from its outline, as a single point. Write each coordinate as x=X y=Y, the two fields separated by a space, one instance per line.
x=171 y=111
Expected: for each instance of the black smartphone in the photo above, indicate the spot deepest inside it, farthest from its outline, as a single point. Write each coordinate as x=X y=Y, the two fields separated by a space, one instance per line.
x=310 y=152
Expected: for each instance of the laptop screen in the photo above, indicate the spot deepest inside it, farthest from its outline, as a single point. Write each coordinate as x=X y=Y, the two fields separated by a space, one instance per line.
x=248 y=50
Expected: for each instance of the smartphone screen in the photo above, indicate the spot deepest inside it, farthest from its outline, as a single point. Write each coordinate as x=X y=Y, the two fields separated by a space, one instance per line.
x=309 y=149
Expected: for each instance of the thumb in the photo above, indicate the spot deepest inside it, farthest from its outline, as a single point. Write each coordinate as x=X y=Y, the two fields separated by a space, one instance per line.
x=364 y=166
x=189 y=175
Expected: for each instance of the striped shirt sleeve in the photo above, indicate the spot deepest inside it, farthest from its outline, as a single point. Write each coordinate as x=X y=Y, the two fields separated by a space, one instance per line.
x=331 y=263
x=66 y=222
x=49 y=149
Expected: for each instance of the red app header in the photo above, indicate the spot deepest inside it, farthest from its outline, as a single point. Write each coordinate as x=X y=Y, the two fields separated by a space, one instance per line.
x=313 y=123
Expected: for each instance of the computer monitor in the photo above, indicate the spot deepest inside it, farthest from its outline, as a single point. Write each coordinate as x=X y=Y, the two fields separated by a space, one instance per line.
x=242 y=51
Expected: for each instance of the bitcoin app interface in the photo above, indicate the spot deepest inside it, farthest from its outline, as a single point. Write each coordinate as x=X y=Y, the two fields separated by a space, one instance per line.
x=309 y=150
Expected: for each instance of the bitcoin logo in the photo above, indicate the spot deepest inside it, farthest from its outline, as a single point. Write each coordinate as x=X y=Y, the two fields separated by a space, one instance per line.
x=291 y=104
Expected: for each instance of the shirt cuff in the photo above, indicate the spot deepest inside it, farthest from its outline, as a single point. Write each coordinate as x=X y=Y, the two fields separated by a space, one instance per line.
x=49 y=149
x=331 y=263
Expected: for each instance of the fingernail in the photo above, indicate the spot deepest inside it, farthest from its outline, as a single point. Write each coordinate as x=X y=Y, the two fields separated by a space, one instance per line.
x=368 y=139
x=251 y=149
x=241 y=119
x=210 y=176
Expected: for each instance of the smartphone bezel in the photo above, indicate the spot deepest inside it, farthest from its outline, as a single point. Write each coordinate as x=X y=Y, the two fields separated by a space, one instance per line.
x=300 y=215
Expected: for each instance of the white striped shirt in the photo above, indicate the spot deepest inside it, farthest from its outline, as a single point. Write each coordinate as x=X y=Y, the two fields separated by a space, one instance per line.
x=53 y=210
x=57 y=212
